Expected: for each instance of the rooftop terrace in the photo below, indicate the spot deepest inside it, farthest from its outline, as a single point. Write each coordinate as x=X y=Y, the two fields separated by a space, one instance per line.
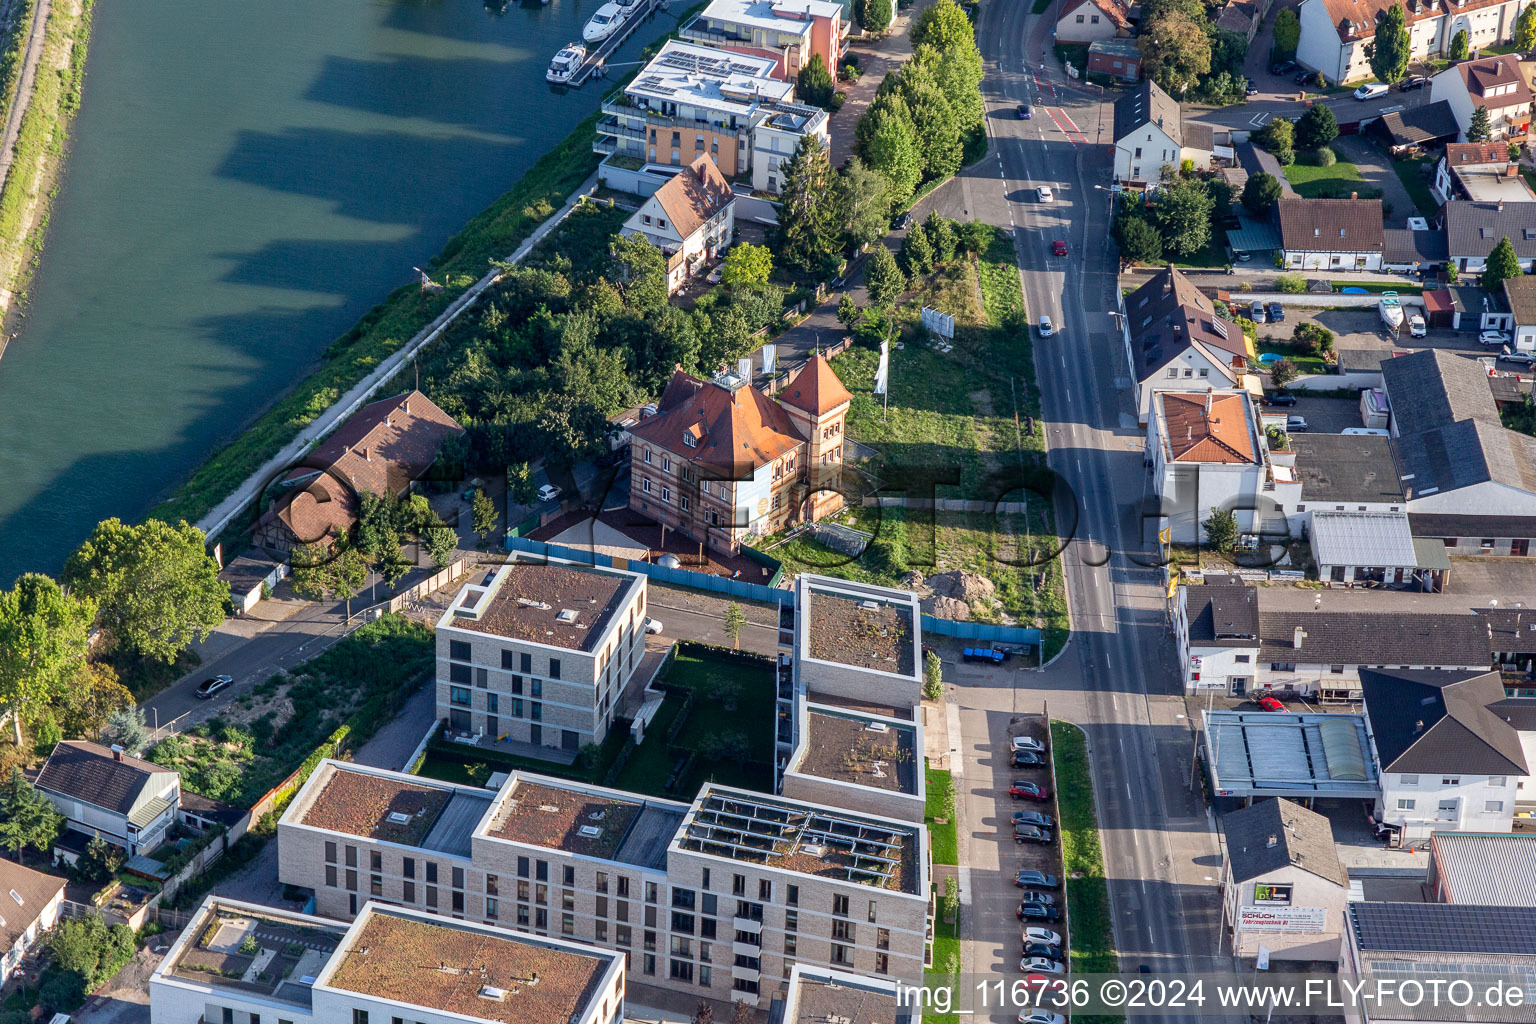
x=388 y=807
x=266 y=956
x=558 y=605
x=863 y=632
x=472 y=971
x=859 y=750
x=593 y=824
x=803 y=838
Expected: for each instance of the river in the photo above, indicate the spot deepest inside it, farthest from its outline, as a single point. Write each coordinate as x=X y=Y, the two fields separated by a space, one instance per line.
x=246 y=179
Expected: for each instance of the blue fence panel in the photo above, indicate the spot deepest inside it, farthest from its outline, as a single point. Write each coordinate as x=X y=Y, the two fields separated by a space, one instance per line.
x=677 y=577
x=984 y=631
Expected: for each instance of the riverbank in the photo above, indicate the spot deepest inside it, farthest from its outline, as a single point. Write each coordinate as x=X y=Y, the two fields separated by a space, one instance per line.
x=50 y=79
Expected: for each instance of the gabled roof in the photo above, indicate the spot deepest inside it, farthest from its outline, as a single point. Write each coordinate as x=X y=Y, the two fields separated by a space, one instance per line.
x=1402 y=245
x=1473 y=229
x=1223 y=612
x=1435 y=721
x=816 y=388
x=1168 y=314
x=1331 y=225
x=1207 y=427
x=1418 y=125
x=1432 y=388
x=1147 y=103
x=1510 y=631
x=30 y=892
x=735 y=429
x=1356 y=19
x=1118 y=14
x=1520 y=296
x=694 y=195
x=1273 y=834
x=1484 y=78
x=1476 y=154
x=89 y=772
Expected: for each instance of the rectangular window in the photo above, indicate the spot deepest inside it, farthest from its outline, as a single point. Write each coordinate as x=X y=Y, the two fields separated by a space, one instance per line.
x=522 y=867
x=871 y=911
x=431 y=871
x=567 y=875
x=567 y=924
x=882 y=963
x=791 y=920
x=458 y=650
x=765 y=890
x=459 y=696
x=431 y=895
x=842 y=955
x=1493 y=806
x=554 y=669
x=330 y=852
x=517 y=685
x=506 y=660
x=1498 y=781
x=1410 y=780
x=621 y=934
x=681 y=970
x=1405 y=805
x=490 y=907
x=330 y=875
x=537 y=688
x=351 y=856
x=1451 y=780
x=840 y=905
x=351 y=880
x=792 y=895
x=525 y=663
x=791 y=945
x=602 y=881
x=375 y=860
x=540 y=919
x=882 y=938
x=843 y=930
x=359 y=1016
x=408 y=891
x=458 y=878
x=602 y=931
x=376 y=885
x=492 y=885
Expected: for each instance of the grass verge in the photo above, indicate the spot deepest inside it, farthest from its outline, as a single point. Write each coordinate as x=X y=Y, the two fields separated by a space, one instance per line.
x=1313 y=181
x=1409 y=171
x=939 y=814
x=946 y=966
x=1092 y=933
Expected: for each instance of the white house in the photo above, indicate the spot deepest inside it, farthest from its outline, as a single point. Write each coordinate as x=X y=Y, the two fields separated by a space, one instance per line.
x=1282 y=885
x=1460 y=157
x=32 y=909
x=1174 y=341
x=1088 y=21
x=1331 y=234
x=1472 y=229
x=127 y=801
x=691 y=219
x=1150 y=134
x=1336 y=33
x=1448 y=761
x=1520 y=297
x=1494 y=83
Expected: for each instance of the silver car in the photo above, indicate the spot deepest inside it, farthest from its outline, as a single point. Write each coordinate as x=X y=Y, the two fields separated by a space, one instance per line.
x=1046 y=330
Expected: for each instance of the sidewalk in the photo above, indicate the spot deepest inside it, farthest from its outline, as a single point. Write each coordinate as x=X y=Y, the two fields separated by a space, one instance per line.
x=877 y=58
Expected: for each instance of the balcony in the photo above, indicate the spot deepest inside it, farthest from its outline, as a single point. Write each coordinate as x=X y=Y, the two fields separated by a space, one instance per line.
x=619 y=129
x=748 y=924
x=605 y=144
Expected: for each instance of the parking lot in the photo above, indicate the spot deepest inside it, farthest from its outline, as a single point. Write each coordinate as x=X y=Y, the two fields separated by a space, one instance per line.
x=1032 y=844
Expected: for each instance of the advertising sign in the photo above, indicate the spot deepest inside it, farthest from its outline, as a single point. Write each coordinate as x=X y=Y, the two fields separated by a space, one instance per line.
x=1272 y=894
x=1281 y=919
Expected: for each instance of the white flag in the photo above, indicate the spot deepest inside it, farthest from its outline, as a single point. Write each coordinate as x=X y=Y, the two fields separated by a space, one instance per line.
x=744 y=367
x=883 y=372
x=769 y=356
x=1262 y=962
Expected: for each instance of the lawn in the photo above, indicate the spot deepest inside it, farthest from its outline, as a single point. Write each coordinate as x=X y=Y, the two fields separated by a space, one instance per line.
x=946 y=968
x=1213 y=255
x=943 y=840
x=1091 y=932
x=1408 y=171
x=1300 y=356
x=1313 y=182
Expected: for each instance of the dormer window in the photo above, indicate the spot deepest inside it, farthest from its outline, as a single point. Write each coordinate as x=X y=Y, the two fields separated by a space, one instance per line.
x=690 y=440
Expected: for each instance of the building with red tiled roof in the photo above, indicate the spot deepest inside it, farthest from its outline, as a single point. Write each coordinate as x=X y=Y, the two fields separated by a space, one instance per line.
x=720 y=461
x=384 y=448
x=1087 y=21
x=690 y=219
x=1467 y=168
x=1492 y=83
x=1335 y=33
x=1208 y=453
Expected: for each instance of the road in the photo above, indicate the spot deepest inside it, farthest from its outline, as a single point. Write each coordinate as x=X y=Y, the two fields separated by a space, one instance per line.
x=1257 y=111
x=1116 y=677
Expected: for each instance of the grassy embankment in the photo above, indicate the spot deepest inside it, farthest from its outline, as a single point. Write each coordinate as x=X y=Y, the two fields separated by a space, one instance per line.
x=1092 y=933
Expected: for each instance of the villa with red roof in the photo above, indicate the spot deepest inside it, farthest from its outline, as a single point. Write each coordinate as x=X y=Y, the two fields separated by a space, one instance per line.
x=722 y=462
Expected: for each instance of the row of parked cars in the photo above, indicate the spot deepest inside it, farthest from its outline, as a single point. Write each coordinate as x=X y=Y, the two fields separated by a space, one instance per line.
x=1041 y=955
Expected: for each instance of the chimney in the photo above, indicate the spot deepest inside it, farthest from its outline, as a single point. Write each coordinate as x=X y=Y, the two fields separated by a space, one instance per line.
x=367 y=455
x=1501 y=206
x=1354 y=195
x=1296 y=638
x=117 y=752
x=1272 y=842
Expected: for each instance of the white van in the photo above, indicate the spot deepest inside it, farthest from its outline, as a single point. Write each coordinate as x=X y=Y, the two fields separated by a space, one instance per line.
x=1371 y=90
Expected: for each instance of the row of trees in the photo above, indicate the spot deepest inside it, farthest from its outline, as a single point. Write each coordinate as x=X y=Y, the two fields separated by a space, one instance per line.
x=929 y=246
x=1184 y=52
x=1313 y=131
x=1179 y=220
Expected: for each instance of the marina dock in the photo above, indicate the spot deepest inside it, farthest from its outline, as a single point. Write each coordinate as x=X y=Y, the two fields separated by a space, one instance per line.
x=597 y=59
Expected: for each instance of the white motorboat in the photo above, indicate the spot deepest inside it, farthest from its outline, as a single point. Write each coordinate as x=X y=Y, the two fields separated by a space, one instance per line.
x=1390 y=309
x=566 y=63
x=604 y=23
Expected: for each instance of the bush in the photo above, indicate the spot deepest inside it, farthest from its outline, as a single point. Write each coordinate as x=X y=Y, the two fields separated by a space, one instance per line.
x=1286 y=157
x=1323 y=156
x=1291 y=284
x=62 y=991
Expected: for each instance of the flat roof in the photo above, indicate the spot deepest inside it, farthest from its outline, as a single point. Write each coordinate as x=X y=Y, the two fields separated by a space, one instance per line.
x=819 y=998
x=558 y=605
x=863 y=628
x=859 y=749
x=395 y=808
x=591 y=822
x=725 y=80
x=1492 y=185
x=296 y=948
x=477 y=971
x=786 y=17
x=805 y=838
x=1347 y=468
x=1264 y=753
x=1486 y=868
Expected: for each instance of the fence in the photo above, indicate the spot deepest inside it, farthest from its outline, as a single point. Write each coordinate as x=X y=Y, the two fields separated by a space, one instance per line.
x=678 y=577
x=1002 y=508
x=983 y=631
x=426 y=586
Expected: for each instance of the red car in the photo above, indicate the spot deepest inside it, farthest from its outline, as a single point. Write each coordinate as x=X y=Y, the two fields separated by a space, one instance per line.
x=1270 y=704
x=1059 y=247
x=1028 y=791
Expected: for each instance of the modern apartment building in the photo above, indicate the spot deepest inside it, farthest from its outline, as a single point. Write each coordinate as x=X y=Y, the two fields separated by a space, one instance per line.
x=692 y=101
x=788 y=32
x=723 y=896
x=239 y=963
x=721 y=462
x=819 y=996
x=858 y=643
x=1335 y=34
x=539 y=655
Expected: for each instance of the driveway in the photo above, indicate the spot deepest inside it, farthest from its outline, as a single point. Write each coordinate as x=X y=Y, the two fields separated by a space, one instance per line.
x=1374 y=167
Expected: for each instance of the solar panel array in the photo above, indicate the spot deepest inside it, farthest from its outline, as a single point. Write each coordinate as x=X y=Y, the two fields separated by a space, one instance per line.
x=1444 y=928
x=718 y=64
x=763 y=832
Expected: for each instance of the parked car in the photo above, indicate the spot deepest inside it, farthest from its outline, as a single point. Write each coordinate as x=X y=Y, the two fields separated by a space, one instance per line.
x=1304 y=76
x=1029 y=791
x=990 y=654
x=1296 y=423
x=1252 y=88
x=1059 y=247
x=1026 y=743
x=1526 y=359
x=1038 y=912
x=1043 y=898
x=1041 y=949
x=212 y=685
x=653 y=625
x=1279 y=396
x=1039 y=879
x=1256 y=311
x=1269 y=704
x=1025 y=759
x=1024 y=112
x=902 y=221
x=1046 y=195
x=1033 y=818
x=1046 y=330
x=1410 y=84
x=1040 y=963
x=1030 y=834
x=1492 y=338
x=1276 y=312
x=1416 y=326
x=1040 y=1017
x=549 y=492
x=1371 y=90
x=1285 y=67
x=1034 y=934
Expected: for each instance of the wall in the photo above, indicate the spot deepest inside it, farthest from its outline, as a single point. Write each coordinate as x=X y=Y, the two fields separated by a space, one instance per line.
x=1308 y=890
x=640 y=183
x=1427 y=790
x=1084 y=23
x=756 y=209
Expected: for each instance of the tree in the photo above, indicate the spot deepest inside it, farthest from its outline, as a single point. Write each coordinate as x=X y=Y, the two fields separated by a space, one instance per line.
x=155 y=586
x=1317 y=127
x=1388 y=52
x=1459 y=46
x=704 y=1013
x=933 y=677
x=941 y=234
x=1175 y=52
x=735 y=622
x=1502 y=264
x=875 y=15
x=934 y=120
x=1282 y=372
x=807 y=234
x=101 y=860
x=943 y=25
x=520 y=489
x=1480 y=127
x=340 y=572
x=1221 y=529
x=862 y=196
x=1287 y=31
x=441 y=542
x=126 y=728
x=747 y=264
x=883 y=278
x=485 y=514
x=89 y=699
x=743 y=1015
x=1525 y=30
x=957 y=71
x=27 y=818
x=1261 y=193
x=916 y=253
x=90 y=948
x=640 y=270
x=1183 y=215
x=44 y=635
x=847 y=313
x=815 y=85
x=1279 y=134
x=893 y=151
x=1139 y=239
